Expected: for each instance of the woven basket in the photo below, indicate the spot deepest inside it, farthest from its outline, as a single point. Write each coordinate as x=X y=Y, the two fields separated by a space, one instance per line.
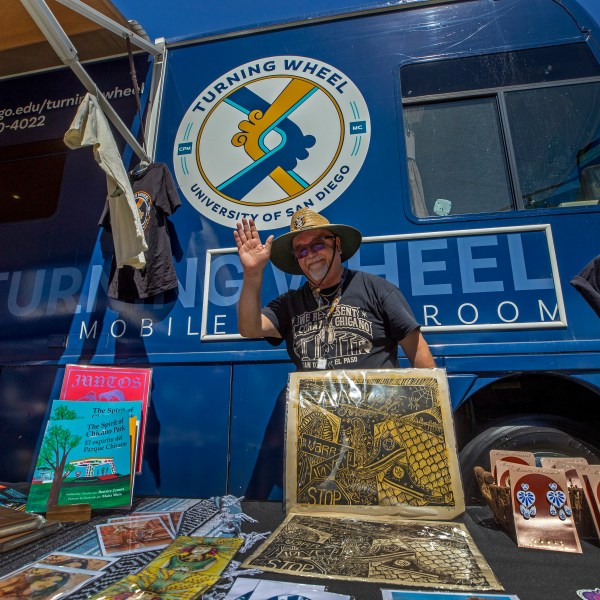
x=498 y=499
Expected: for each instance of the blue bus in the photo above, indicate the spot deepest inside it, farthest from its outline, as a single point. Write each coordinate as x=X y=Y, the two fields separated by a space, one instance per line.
x=461 y=137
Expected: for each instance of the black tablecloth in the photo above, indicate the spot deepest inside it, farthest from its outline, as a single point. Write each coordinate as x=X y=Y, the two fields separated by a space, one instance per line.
x=529 y=574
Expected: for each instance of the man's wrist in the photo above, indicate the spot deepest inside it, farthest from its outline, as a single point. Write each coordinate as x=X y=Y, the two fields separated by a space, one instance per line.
x=254 y=276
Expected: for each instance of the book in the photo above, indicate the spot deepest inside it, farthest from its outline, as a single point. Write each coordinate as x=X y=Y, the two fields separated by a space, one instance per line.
x=110 y=384
x=10 y=542
x=85 y=456
x=14 y=521
x=134 y=409
x=12 y=498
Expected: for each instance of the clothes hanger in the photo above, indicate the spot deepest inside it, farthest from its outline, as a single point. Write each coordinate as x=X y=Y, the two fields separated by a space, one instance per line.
x=141 y=168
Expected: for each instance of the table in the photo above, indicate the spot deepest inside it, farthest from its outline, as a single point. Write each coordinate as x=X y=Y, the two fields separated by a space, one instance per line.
x=529 y=574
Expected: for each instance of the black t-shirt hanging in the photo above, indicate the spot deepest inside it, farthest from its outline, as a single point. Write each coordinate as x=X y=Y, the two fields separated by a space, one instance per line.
x=156 y=198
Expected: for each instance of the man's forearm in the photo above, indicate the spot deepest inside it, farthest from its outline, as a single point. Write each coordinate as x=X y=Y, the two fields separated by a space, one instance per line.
x=424 y=359
x=249 y=305
x=417 y=351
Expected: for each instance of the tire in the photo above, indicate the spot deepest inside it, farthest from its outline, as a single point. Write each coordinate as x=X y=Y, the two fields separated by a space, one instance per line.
x=543 y=438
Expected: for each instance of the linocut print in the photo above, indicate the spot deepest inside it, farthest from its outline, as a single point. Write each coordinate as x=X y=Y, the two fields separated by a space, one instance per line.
x=372 y=442
x=400 y=552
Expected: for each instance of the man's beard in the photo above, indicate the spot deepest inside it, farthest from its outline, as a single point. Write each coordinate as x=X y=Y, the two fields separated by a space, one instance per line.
x=318 y=271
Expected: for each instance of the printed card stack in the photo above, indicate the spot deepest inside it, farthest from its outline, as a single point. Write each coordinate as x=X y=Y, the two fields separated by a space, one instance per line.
x=138 y=532
x=54 y=576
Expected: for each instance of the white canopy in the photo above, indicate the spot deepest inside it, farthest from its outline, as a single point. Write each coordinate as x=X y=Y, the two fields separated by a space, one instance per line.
x=42 y=34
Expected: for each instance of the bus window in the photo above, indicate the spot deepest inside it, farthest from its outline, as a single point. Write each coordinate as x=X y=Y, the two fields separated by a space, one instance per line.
x=509 y=131
x=457 y=163
x=555 y=131
x=30 y=179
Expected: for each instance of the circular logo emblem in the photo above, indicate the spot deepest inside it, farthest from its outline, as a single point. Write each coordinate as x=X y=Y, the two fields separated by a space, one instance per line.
x=143 y=202
x=270 y=137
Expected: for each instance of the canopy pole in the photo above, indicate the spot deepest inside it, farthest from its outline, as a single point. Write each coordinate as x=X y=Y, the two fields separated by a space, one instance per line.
x=97 y=17
x=60 y=42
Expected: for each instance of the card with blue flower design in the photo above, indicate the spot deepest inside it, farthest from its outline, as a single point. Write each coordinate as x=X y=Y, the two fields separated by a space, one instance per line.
x=542 y=510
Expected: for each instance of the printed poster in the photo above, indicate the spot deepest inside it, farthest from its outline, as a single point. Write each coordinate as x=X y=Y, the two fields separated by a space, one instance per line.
x=424 y=554
x=244 y=587
x=76 y=561
x=372 y=442
x=128 y=536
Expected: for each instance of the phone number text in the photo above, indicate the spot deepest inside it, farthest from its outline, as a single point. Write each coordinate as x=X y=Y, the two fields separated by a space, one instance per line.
x=24 y=123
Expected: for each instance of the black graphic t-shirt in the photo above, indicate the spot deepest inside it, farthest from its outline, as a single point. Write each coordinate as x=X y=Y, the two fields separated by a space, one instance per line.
x=156 y=198
x=363 y=331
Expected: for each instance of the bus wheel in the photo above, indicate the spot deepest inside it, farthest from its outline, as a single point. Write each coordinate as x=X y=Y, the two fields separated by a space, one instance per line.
x=552 y=437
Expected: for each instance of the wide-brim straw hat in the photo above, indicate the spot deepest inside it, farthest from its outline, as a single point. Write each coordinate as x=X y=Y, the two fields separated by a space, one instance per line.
x=282 y=255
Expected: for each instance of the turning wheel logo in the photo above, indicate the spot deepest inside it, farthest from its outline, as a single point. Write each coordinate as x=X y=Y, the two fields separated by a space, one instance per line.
x=269 y=137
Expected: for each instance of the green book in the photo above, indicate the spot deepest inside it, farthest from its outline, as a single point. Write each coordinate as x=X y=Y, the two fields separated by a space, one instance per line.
x=85 y=456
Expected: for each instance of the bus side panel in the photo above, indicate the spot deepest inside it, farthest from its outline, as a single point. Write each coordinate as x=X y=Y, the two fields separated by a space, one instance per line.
x=257 y=425
x=24 y=394
x=187 y=436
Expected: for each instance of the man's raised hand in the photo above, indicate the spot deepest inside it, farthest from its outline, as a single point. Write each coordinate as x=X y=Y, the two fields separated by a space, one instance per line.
x=254 y=255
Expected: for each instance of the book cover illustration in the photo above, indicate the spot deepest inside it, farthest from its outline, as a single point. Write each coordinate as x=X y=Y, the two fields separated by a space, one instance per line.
x=372 y=442
x=425 y=554
x=110 y=384
x=184 y=570
x=85 y=457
